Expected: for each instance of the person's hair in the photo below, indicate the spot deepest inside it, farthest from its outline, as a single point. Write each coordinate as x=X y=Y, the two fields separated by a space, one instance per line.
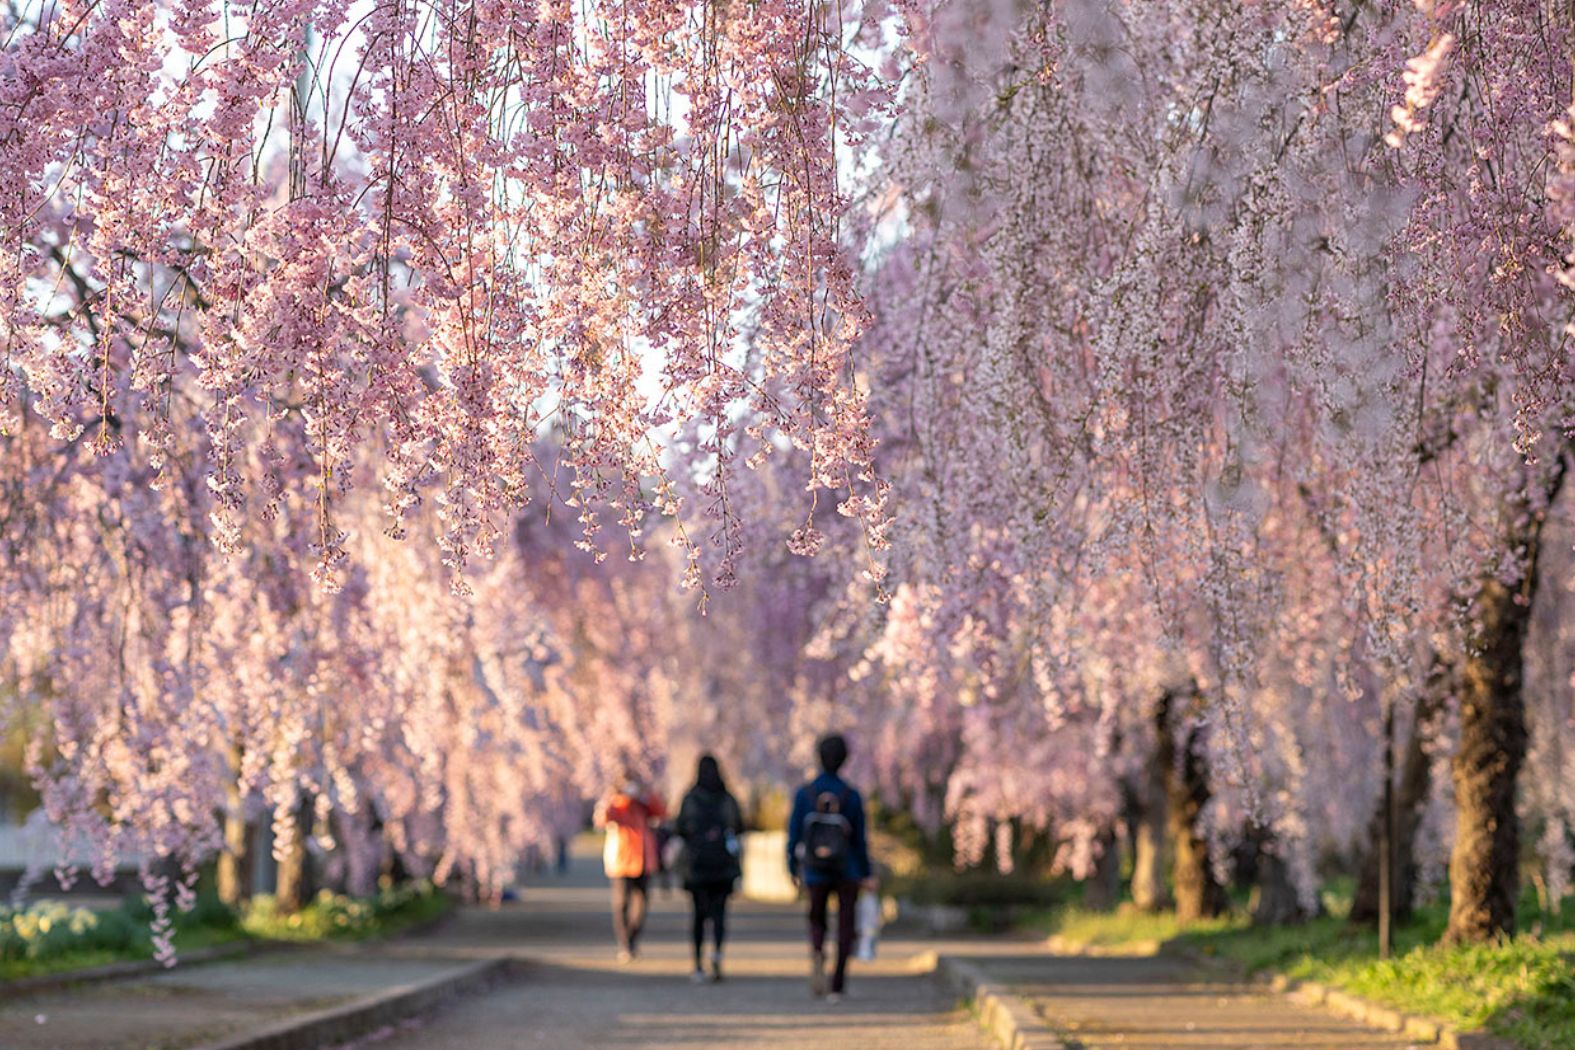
x=709 y=775
x=833 y=751
x=627 y=774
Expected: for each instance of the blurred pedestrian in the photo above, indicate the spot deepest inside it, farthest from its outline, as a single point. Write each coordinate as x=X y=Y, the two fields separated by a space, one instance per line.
x=828 y=856
x=709 y=823
x=629 y=857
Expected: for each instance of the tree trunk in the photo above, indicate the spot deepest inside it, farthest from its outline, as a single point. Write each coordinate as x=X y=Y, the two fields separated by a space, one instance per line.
x=1198 y=894
x=1245 y=858
x=291 y=887
x=1484 y=868
x=1146 y=819
x=235 y=862
x=1412 y=787
x=1104 y=886
x=1274 y=900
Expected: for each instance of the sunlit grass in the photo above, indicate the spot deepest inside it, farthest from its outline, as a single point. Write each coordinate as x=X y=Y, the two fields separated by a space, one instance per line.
x=1126 y=927
x=335 y=916
x=1523 y=988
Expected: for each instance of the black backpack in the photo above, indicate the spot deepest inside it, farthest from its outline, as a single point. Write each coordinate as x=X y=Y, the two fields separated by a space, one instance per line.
x=711 y=848
x=828 y=838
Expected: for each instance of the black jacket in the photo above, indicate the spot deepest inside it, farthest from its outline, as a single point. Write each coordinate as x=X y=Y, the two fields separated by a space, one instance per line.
x=706 y=821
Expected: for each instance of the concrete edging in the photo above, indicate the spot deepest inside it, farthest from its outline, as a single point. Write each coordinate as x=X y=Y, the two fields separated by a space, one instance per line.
x=1384 y=1018
x=1006 y=1017
x=354 y=1019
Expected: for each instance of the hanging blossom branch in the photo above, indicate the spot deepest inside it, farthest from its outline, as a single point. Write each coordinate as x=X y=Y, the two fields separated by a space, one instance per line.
x=436 y=230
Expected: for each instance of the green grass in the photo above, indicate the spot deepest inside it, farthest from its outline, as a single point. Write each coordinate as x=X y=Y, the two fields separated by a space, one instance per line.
x=334 y=916
x=189 y=939
x=1125 y=927
x=973 y=889
x=76 y=959
x=52 y=937
x=1523 y=988
x=993 y=902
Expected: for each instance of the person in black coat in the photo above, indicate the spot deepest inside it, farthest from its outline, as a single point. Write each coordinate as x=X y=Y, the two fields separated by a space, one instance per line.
x=710 y=823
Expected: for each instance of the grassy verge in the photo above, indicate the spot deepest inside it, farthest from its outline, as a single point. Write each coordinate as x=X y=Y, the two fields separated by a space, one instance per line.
x=993 y=902
x=50 y=937
x=334 y=916
x=53 y=937
x=1126 y=927
x=1523 y=988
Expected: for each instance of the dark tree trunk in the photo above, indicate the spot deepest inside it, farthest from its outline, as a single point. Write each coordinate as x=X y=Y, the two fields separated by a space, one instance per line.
x=1413 y=785
x=1245 y=857
x=1484 y=868
x=1103 y=888
x=1274 y=900
x=1198 y=894
x=1145 y=813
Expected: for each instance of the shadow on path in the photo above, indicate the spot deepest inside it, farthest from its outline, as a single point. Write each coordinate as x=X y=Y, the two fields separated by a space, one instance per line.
x=572 y=992
x=561 y=1005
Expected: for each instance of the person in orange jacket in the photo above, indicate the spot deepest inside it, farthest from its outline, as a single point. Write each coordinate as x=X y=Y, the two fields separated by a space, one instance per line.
x=630 y=857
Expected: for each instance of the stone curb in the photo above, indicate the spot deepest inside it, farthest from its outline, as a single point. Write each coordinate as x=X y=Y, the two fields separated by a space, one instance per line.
x=1385 y=1018
x=1006 y=1017
x=351 y=1020
x=22 y=987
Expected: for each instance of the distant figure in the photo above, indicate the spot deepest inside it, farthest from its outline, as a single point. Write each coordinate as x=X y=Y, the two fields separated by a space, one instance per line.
x=666 y=842
x=828 y=854
x=709 y=822
x=629 y=857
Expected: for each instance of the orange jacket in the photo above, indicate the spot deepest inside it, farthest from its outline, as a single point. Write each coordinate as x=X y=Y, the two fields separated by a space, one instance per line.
x=630 y=849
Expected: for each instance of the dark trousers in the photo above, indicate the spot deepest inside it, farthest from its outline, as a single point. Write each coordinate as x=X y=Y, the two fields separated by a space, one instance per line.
x=710 y=906
x=628 y=908
x=847 y=892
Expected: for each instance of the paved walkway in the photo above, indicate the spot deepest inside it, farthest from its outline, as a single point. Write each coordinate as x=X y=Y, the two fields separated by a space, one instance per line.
x=573 y=994
x=189 y=1006
x=1159 y=1003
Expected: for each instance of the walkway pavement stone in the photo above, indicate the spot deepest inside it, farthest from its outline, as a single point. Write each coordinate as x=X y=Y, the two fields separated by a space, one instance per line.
x=574 y=994
x=1163 y=1003
x=190 y=1006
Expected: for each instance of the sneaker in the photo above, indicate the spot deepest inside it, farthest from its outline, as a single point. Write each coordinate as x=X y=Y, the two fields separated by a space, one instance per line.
x=625 y=957
x=716 y=967
x=698 y=977
x=833 y=998
x=817 y=973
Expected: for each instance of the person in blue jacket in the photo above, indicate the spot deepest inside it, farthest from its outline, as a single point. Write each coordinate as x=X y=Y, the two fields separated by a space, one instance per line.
x=828 y=854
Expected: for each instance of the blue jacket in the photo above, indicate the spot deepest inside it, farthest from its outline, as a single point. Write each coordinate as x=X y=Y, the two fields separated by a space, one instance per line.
x=852 y=808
